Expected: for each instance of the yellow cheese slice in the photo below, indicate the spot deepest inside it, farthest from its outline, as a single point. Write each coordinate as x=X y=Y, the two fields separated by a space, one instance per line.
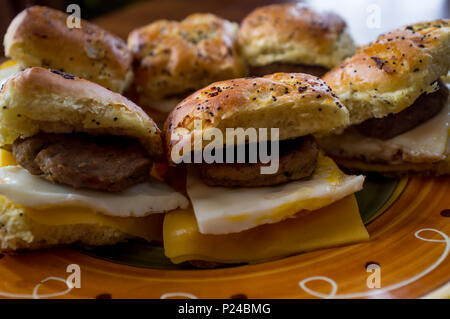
x=7 y=159
x=8 y=64
x=149 y=228
x=337 y=224
x=7 y=69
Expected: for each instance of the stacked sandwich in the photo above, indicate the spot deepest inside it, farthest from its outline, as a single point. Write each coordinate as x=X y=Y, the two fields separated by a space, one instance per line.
x=40 y=36
x=76 y=157
x=241 y=214
x=174 y=59
x=398 y=103
x=293 y=38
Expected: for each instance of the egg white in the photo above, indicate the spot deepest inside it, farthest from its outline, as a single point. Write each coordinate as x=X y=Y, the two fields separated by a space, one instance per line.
x=223 y=210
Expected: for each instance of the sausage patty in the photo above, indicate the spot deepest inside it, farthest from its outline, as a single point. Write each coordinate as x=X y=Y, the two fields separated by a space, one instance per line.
x=287 y=68
x=297 y=160
x=107 y=163
x=424 y=108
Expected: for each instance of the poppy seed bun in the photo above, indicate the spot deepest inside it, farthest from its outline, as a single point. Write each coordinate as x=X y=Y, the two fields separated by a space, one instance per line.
x=38 y=99
x=298 y=104
x=174 y=57
x=40 y=36
x=294 y=33
x=388 y=75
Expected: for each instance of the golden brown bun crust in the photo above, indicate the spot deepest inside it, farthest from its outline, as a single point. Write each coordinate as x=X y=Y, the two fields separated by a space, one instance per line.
x=389 y=74
x=296 y=103
x=39 y=36
x=38 y=99
x=174 y=57
x=293 y=33
x=393 y=170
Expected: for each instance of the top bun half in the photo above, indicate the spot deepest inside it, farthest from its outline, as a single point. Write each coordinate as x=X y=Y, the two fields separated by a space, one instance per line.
x=294 y=33
x=40 y=36
x=297 y=104
x=388 y=75
x=40 y=100
x=174 y=57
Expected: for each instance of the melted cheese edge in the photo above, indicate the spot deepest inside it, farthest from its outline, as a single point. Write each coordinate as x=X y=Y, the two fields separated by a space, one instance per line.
x=334 y=225
x=148 y=228
x=8 y=69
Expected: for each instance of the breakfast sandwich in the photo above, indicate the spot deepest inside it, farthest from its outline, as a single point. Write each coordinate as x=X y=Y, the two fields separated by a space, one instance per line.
x=398 y=103
x=174 y=59
x=293 y=38
x=42 y=37
x=76 y=161
x=241 y=212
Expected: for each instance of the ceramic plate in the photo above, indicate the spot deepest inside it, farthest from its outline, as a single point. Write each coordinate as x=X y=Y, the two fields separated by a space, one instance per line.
x=408 y=221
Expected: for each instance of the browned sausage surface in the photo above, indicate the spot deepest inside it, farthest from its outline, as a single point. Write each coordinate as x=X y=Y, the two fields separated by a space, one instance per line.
x=297 y=160
x=424 y=108
x=107 y=163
